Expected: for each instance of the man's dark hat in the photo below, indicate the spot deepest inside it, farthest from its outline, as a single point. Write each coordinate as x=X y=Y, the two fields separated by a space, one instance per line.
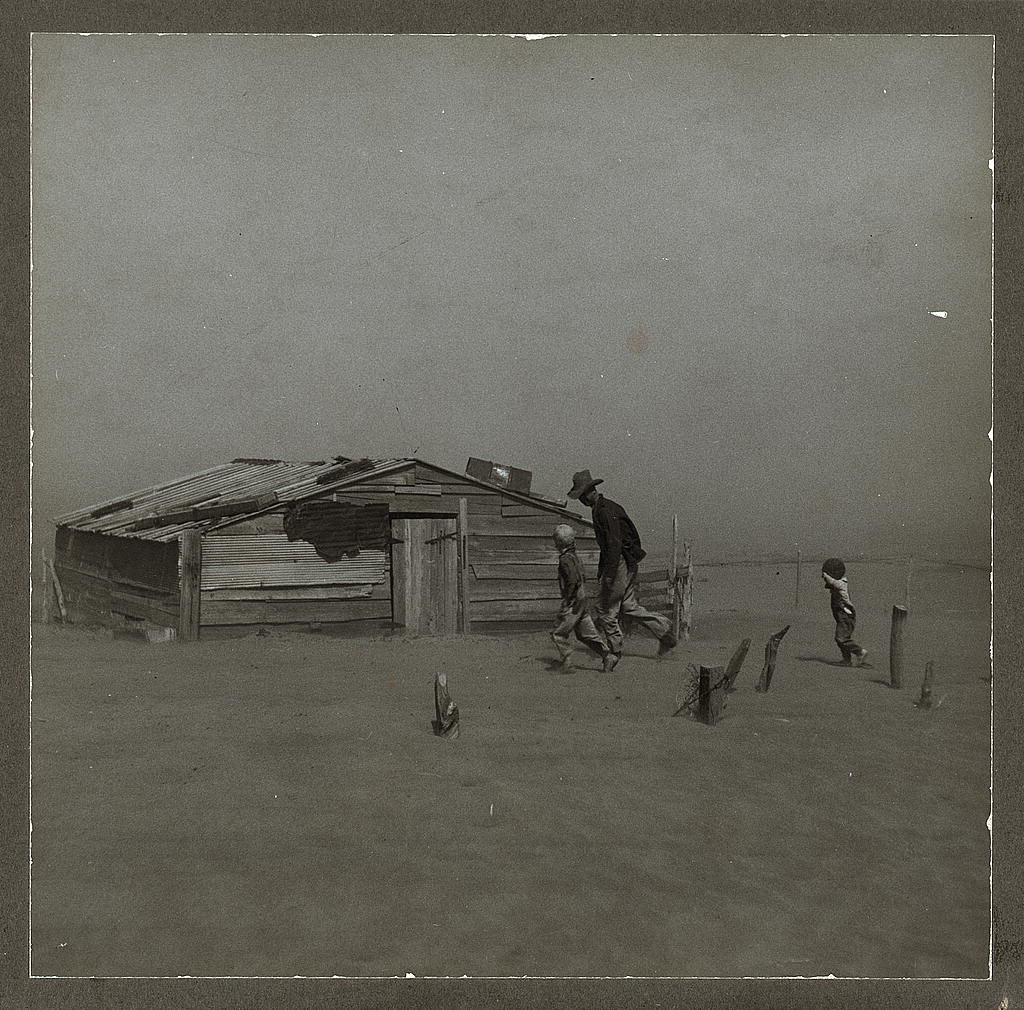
x=582 y=482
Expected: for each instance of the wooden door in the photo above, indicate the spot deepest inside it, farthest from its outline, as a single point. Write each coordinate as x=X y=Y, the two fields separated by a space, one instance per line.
x=425 y=571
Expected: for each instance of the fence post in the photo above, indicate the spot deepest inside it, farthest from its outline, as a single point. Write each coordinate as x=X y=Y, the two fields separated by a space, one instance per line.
x=899 y=617
x=711 y=694
x=675 y=577
x=732 y=671
x=925 y=701
x=687 y=603
x=771 y=652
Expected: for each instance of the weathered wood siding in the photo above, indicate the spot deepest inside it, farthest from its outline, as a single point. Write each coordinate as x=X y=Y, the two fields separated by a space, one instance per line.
x=106 y=578
x=513 y=564
x=513 y=574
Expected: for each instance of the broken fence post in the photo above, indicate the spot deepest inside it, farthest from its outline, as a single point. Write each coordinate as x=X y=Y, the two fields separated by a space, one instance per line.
x=705 y=694
x=446 y=723
x=712 y=694
x=771 y=651
x=899 y=617
x=732 y=671
x=925 y=701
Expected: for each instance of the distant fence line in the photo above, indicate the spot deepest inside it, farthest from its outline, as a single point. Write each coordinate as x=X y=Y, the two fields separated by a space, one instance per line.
x=662 y=557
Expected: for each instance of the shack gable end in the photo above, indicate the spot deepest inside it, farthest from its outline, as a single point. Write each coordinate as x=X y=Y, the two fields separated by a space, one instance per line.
x=513 y=564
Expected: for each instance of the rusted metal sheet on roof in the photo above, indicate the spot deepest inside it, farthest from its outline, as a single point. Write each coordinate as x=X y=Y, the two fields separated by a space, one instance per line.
x=338 y=529
x=500 y=474
x=270 y=559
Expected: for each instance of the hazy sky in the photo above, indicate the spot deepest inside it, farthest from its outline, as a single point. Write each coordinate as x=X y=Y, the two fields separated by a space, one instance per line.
x=702 y=267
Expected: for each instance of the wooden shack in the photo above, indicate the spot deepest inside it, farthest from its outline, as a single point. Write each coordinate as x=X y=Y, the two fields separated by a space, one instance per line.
x=351 y=546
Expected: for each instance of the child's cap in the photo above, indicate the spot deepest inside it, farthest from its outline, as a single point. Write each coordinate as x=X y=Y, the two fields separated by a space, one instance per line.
x=834 y=567
x=564 y=535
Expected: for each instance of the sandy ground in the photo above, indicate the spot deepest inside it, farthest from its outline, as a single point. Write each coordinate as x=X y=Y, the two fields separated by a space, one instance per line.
x=279 y=806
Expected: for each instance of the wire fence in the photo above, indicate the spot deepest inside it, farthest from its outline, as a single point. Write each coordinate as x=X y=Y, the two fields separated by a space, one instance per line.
x=780 y=586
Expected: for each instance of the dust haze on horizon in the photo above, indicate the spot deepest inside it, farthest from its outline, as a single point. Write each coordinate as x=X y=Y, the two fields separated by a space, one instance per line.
x=708 y=269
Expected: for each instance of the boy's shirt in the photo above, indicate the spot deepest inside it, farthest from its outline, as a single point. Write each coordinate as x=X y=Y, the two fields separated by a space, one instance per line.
x=571 y=581
x=840 y=591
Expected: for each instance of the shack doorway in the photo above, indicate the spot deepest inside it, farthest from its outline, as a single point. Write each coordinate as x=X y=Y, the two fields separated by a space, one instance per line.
x=425 y=574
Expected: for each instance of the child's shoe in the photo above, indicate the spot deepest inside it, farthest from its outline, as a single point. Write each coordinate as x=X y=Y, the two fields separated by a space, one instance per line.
x=610 y=662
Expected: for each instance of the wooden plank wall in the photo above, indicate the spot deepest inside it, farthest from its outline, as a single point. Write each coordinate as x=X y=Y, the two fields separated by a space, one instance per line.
x=513 y=564
x=106 y=579
x=274 y=605
x=513 y=574
x=505 y=535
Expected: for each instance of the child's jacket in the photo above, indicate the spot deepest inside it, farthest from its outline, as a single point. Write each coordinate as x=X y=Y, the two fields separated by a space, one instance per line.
x=840 y=592
x=571 y=582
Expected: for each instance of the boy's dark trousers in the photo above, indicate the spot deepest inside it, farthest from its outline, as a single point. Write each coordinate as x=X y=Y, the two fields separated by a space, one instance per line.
x=845 y=623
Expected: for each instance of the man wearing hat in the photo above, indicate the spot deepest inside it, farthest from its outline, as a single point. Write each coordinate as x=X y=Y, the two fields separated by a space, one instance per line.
x=621 y=553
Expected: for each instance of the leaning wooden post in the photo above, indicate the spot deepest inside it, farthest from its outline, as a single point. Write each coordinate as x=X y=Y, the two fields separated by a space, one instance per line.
x=191 y=575
x=899 y=617
x=47 y=592
x=771 y=651
x=446 y=712
x=925 y=701
x=462 y=532
x=686 y=622
x=732 y=671
x=676 y=601
x=59 y=593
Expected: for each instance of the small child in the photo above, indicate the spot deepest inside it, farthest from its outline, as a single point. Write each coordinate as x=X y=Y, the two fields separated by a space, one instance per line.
x=573 y=614
x=833 y=572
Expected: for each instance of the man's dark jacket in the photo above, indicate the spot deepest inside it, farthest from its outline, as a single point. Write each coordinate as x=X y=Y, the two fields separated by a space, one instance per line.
x=616 y=536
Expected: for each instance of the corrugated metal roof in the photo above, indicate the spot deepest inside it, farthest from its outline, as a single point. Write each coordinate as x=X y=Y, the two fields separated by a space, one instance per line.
x=274 y=560
x=242 y=480
x=220 y=484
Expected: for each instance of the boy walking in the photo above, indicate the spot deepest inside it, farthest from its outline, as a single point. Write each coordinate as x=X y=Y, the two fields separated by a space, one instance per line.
x=573 y=614
x=833 y=572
